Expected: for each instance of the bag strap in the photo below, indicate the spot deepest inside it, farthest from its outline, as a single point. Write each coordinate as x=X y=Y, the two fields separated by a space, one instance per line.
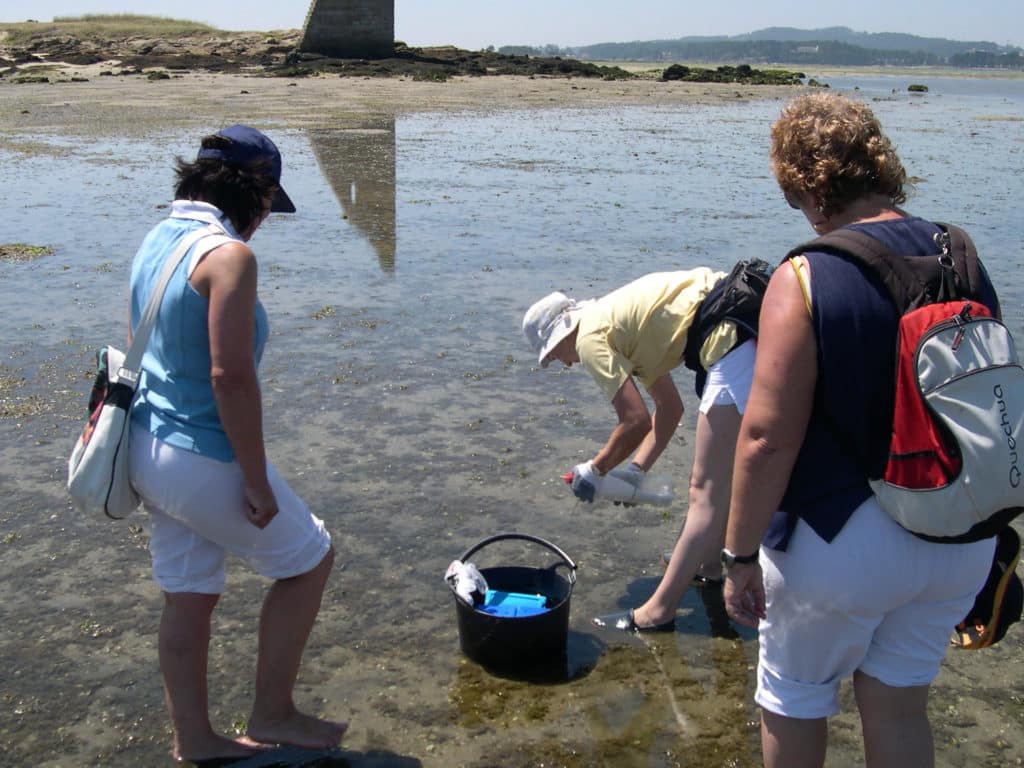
x=897 y=278
x=129 y=370
x=965 y=259
x=953 y=273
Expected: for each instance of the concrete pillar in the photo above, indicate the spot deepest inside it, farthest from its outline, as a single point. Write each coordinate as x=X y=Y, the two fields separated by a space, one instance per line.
x=350 y=29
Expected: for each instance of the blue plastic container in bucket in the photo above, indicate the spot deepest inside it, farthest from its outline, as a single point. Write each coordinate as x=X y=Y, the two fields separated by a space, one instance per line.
x=509 y=641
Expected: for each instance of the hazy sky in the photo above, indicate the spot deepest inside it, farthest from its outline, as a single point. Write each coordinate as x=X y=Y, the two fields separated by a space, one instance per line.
x=474 y=24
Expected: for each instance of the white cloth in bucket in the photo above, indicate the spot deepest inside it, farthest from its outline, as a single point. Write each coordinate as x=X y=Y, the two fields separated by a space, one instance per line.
x=467 y=582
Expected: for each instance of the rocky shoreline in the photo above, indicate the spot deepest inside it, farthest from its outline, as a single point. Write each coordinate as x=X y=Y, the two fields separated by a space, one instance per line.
x=40 y=57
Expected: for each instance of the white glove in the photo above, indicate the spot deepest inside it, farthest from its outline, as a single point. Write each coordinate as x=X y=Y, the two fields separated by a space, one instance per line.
x=585 y=481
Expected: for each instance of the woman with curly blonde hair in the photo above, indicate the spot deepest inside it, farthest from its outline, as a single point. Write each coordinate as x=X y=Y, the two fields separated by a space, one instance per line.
x=835 y=587
x=834 y=149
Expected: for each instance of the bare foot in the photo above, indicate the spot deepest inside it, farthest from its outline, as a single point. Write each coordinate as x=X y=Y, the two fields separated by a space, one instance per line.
x=298 y=730
x=214 y=745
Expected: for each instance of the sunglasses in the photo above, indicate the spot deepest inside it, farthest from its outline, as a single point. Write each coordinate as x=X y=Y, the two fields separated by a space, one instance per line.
x=792 y=202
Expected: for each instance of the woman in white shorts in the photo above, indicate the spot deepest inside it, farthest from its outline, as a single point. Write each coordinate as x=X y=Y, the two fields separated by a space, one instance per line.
x=837 y=590
x=642 y=331
x=197 y=455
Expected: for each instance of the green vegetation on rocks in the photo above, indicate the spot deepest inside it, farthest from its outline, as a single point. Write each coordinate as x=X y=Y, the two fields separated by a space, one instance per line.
x=442 y=62
x=139 y=44
x=744 y=74
x=23 y=251
x=101 y=27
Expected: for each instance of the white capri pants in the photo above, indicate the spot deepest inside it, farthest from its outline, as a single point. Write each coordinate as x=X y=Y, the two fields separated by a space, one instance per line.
x=876 y=599
x=197 y=514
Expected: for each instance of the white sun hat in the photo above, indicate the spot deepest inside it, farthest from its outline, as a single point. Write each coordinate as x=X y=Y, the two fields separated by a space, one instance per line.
x=548 y=322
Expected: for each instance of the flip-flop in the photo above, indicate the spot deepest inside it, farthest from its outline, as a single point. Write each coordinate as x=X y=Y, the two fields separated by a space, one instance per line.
x=217 y=762
x=698 y=580
x=624 y=621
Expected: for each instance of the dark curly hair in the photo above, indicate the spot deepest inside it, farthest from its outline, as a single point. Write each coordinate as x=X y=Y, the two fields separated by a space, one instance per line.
x=237 y=191
x=833 y=147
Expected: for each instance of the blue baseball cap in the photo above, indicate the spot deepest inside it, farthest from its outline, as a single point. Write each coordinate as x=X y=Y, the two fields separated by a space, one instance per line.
x=248 y=146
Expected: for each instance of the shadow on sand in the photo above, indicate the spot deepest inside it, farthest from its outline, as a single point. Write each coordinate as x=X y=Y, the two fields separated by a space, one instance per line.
x=295 y=757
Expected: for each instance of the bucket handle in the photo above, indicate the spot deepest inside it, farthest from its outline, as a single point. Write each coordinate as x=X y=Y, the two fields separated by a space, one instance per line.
x=525 y=537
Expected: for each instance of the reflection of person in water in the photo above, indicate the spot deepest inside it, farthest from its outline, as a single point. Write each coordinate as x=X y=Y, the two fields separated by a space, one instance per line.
x=641 y=330
x=197 y=452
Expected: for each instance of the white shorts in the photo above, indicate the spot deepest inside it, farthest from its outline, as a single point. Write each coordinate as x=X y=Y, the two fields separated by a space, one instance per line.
x=728 y=381
x=197 y=515
x=876 y=599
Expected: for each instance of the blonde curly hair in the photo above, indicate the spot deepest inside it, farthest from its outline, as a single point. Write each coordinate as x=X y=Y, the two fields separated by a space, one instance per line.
x=833 y=147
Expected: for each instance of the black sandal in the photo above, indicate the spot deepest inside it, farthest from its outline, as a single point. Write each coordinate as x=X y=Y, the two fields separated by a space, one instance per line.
x=624 y=621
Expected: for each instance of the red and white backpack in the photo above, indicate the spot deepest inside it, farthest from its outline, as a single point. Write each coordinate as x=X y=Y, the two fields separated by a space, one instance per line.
x=954 y=466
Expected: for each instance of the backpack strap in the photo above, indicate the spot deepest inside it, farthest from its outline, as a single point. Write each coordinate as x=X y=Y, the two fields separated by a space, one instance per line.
x=965 y=261
x=736 y=298
x=953 y=273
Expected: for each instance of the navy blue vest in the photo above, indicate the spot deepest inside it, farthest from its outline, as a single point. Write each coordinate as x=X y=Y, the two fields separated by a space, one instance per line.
x=847 y=438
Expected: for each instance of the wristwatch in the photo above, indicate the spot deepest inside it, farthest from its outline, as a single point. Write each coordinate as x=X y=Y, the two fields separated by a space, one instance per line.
x=729 y=559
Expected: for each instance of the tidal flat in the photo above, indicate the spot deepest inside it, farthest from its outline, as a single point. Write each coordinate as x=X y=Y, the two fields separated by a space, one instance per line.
x=402 y=403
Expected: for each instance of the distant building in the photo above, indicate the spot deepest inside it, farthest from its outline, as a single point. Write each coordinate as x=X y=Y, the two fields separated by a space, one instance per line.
x=350 y=29
x=807 y=49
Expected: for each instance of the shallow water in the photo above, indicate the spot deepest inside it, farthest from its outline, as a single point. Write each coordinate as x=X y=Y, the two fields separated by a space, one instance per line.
x=403 y=405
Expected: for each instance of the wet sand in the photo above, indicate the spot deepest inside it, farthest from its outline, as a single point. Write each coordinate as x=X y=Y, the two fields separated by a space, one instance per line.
x=80 y=684
x=118 y=104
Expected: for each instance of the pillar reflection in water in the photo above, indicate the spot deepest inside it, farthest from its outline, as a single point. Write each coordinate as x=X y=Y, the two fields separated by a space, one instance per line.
x=359 y=164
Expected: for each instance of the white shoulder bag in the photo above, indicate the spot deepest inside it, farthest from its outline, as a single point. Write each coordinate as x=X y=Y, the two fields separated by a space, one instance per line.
x=98 y=467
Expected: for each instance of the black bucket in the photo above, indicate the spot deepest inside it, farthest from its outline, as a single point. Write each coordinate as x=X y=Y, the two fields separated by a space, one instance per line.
x=504 y=641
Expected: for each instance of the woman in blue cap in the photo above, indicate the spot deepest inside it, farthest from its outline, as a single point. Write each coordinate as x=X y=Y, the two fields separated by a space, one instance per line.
x=197 y=452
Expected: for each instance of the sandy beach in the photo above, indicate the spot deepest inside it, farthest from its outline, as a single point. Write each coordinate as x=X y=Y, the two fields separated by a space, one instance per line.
x=80 y=683
x=115 y=105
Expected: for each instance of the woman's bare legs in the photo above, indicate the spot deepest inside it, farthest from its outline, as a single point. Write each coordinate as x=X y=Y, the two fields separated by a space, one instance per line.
x=895 y=722
x=789 y=742
x=703 y=532
x=289 y=610
x=184 y=644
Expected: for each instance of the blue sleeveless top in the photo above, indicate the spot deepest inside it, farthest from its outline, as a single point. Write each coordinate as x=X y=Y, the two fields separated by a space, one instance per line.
x=175 y=401
x=847 y=439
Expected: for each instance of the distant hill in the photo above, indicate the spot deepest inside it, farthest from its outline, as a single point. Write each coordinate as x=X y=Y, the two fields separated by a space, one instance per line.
x=882 y=41
x=787 y=45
